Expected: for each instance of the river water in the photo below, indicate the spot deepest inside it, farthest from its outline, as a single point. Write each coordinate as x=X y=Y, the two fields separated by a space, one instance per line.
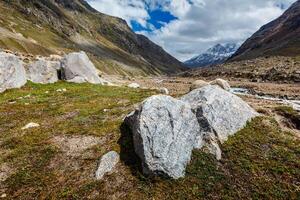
x=243 y=91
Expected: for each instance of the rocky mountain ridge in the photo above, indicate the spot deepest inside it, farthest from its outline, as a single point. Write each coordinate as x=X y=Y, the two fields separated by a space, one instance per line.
x=279 y=37
x=56 y=26
x=214 y=55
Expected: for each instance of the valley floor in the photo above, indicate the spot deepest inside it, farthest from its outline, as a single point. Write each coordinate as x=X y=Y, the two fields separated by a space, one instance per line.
x=81 y=122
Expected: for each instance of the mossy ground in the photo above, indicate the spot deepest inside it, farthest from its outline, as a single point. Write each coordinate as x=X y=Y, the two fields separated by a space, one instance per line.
x=259 y=162
x=292 y=117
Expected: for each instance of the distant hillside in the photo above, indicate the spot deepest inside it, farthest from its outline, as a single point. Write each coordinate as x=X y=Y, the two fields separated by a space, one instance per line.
x=215 y=55
x=279 y=37
x=55 y=26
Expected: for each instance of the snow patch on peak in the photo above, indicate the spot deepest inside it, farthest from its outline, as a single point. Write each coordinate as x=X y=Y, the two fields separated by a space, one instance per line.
x=214 y=55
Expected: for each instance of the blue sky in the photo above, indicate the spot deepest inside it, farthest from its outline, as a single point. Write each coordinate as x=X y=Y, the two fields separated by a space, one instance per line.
x=186 y=28
x=157 y=18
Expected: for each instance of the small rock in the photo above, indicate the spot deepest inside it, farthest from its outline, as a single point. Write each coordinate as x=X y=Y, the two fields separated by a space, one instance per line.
x=134 y=85
x=3 y=195
x=61 y=90
x=107 y=164
x=164 y=91
x=198 y=84
x=47 y=92
x=30 y=125
x=221 y=83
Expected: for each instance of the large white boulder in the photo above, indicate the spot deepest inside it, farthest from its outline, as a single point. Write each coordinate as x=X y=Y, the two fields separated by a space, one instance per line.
x=164 y=132
x=77 y=67
x=220 y=114
x=43 y=71
x=12 y=72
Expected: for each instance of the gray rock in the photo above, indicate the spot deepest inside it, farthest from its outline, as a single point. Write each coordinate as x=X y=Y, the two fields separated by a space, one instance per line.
x=220 y=114
x=107 y=164
x=43 y=71
x=30 y=125
x=77 y=79
x=221 y=83
x=12 y=72
x=198 y=84
x=134 y=85
x=164 y=131
x=164 y=91
x=78 y=67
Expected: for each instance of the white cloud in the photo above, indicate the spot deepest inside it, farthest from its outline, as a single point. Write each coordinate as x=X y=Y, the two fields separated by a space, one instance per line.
x=200 y=23
x=126 y=9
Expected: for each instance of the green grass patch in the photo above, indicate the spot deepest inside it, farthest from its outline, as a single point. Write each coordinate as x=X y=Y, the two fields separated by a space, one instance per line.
x=259 y=162
x=78 y=111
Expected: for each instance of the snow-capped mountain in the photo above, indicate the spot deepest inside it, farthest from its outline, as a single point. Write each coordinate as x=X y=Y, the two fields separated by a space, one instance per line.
x=215 y=55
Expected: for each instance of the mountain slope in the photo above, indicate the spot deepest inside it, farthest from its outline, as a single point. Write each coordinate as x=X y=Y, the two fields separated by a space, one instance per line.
x=54 y=26
x=215 y=55
x=279 y=37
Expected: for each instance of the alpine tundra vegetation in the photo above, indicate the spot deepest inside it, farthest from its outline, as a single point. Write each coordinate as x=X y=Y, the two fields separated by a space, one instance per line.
x=92 y=105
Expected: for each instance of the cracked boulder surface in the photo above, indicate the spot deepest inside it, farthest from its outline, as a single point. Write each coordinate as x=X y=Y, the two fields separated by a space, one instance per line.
x=164 y=131
x=220 y=114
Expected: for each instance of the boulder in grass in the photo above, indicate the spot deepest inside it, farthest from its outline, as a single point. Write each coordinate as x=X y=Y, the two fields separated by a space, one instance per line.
x=107 y=164
x=220 y=114
x=78 y=67
x=30 y=125
x=164 y=91
x=164 y=132
x=12 y=72
x=43 y=71
x=134 y=85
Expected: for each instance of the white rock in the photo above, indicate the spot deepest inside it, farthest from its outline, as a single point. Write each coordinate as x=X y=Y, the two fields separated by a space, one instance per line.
x=220 y=114
x=77 y=79
x=27 y=96
x=78 y=67
x=55 y=57
x=107 y=164
x=134 y=85
x=12 y=72
x=164 y=132
x=42 y=71
x=222 y=83
x=198 y=84
x=61 y=90
x=164 y=91
x=31 y=125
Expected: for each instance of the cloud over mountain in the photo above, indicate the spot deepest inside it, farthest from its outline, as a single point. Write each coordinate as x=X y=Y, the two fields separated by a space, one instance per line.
x=196 y=24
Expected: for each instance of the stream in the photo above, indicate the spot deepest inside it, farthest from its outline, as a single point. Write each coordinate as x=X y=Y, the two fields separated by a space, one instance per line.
x=243 y=91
